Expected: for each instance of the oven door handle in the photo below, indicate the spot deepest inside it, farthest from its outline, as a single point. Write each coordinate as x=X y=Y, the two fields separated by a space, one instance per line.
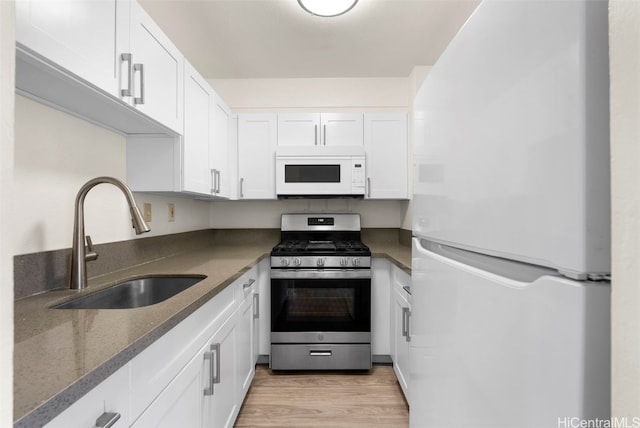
x=320 y=353
x=320 y=273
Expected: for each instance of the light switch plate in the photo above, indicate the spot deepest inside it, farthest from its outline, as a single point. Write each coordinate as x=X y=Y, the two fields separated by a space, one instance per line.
x=146 y=211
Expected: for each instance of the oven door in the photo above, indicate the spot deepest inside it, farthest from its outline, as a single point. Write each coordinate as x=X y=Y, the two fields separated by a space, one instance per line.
x=321 y=306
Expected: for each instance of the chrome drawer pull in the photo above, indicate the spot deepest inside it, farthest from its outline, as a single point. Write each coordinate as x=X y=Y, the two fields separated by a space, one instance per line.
x=107 y=420
x=320 y=353
x=248 y=284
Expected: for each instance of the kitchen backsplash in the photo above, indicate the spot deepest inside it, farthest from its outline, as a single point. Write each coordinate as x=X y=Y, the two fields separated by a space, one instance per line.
x=39 y=272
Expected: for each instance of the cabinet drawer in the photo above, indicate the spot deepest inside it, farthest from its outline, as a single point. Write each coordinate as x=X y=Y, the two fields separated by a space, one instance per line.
x=111 y=396
x=321 y=357
x=156 y=366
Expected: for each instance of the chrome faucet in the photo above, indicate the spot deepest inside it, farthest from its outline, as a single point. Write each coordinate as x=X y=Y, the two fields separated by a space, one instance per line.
x=79 y=254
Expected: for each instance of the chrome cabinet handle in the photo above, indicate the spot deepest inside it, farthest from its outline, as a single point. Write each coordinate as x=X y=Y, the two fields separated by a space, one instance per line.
x=140 y=68
x=208 y=356
x=213 y=356
x=215 y=348
x=126 y=57
x=324 y=134
x=404 y=321
x=368 y=187
x=406 y=314
x=241 y=187
x=256 y=306
x=215 y=181
x=107 y=420
x=248 y=284
x=315 y=130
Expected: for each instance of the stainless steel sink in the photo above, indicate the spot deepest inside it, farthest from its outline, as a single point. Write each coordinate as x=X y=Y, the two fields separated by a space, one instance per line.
x=134 y=293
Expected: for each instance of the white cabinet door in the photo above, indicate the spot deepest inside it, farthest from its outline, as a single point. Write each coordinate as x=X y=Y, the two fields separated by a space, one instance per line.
x=158 y=71
x=256 y=156
x=84 y=37
x=220 y=161
x=341 y=129
x=401 y=330
x=320 y=129
x=245 y=363
x=111 y=396
x=299 y=129
x=182 y=401
x=264 y=307
x=221 y=409
x=196 y=173
x=386 y=145
x=380 y=292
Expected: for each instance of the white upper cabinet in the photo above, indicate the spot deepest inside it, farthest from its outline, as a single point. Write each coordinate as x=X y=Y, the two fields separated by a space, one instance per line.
x=320 y=129
x=157 y=71
x=220 y=159
x=198 y=101
x=256 y=156
x=197 y=163
x=386 y=146
x=298 y=129
x=341 y=129
x=84 y=37
x=71 y=53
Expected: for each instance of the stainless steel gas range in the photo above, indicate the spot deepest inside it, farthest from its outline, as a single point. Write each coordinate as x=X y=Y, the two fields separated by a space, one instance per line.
x=320 y=294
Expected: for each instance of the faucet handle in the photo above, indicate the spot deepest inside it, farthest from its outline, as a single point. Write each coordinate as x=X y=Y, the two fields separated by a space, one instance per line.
x=90 y=254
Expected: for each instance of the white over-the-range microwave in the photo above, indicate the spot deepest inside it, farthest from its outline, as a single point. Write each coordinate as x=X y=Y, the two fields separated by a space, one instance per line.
x=320 y=171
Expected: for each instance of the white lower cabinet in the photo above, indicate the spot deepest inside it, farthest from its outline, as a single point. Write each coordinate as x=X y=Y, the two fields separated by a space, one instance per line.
x=380 y=323
x=400 y=327
x=245 y=361
x=196 y=375
x=111 y=396
x=182 y=403
x=221 y=405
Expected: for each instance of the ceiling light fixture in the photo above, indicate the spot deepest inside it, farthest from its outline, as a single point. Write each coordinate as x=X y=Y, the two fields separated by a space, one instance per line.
x=327 y=8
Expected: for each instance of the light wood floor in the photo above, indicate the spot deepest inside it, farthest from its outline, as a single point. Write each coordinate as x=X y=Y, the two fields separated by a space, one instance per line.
x=324 y=399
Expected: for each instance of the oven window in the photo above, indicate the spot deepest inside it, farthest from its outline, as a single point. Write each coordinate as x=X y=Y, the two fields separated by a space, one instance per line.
x=320 y=305
x=312 y=173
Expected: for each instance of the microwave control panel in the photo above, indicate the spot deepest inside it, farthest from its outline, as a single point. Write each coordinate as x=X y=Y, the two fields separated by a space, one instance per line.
x=357 y=173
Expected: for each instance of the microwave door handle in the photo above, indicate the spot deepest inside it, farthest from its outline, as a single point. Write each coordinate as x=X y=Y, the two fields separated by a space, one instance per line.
x=315 y=131
x=324 y=134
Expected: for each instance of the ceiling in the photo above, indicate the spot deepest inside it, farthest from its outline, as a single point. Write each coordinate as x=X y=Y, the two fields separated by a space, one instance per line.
x=229 y=39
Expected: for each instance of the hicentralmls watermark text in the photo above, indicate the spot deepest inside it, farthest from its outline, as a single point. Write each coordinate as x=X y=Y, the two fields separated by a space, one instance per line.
x=615 y=422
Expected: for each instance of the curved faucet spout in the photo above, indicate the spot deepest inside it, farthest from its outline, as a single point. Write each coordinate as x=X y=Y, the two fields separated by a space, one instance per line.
x=79 y=254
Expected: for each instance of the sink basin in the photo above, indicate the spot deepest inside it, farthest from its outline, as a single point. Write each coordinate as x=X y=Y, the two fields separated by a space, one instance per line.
x=134 y=293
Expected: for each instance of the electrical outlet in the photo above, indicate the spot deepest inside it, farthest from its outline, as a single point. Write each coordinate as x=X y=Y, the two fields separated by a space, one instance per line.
x=146 y=211
x=172 y=212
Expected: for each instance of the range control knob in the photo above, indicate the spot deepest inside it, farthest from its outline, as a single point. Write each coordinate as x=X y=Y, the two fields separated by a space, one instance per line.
x=284 y=262
x=320 y=262
x=355 y=261
x=297 y=261
x=343 y=261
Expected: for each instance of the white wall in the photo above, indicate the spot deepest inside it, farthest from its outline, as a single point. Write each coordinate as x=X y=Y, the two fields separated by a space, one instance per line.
x=266 y=214
x=55 y=154
x=322 y=94
x=624 y=42
x=7 y=63
x=327 y=94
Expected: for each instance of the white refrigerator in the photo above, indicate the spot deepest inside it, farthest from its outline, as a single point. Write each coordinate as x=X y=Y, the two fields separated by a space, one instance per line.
x=511 y=250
